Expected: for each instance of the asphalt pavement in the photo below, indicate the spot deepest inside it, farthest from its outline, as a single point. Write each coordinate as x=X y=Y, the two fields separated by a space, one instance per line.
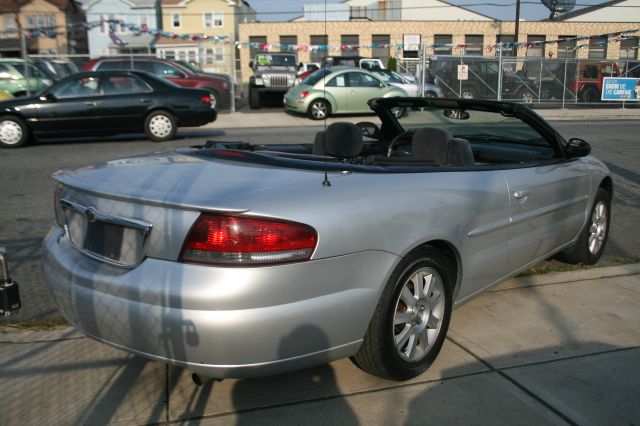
x=552 y=349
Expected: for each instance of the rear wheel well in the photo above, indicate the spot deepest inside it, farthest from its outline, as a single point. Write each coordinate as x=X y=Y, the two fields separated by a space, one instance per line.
x=451 y=253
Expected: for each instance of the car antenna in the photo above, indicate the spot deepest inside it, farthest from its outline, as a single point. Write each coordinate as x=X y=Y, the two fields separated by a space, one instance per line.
x=325 y=182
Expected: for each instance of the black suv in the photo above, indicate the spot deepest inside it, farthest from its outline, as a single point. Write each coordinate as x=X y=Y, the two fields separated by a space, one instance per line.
x=482 y=82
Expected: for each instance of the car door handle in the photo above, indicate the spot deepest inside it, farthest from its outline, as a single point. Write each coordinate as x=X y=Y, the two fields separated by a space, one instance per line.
x=522 y=194
x=145 y=101
x=91 y=103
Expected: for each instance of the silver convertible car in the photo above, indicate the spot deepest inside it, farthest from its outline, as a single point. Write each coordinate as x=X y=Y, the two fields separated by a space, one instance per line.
x=239 y=260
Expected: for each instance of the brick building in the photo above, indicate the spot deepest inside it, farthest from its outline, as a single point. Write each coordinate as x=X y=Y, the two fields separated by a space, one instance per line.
x=477 y=36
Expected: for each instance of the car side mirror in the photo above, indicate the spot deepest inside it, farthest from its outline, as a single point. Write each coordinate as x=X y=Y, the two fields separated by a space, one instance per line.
x=576 y=148
x=369 y=129
x=48 y=97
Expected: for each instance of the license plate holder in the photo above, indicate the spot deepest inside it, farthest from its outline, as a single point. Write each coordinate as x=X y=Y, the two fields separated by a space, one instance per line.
x=113 y=239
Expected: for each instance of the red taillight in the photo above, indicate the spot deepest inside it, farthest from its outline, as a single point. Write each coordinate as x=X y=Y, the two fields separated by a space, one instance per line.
x=238 y=240
x=206 y=99
x=304 y=94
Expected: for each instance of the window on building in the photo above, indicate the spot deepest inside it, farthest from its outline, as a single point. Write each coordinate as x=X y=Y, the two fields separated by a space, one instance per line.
x=537 y=48
x=358 y=12
x=350 y=43
x=169 y=54
x=213 y=19
x=288 y=42
x=10 y=26
x=566 y=46
x=627 y=50
x=41 y=22
x=474 y=45
x=598 y=48
x=176 y=20
x=256 y=44
x=318 y=49
x=380 y=47
x=214 y=55
x=104 y=28
x=505 y=39
x=442 y=44
x=122 y=27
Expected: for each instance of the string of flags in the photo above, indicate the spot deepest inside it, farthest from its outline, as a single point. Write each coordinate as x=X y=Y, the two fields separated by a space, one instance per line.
x=117 y=27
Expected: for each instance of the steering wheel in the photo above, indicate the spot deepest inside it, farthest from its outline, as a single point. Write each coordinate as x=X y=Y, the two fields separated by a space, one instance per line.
x=403 y=138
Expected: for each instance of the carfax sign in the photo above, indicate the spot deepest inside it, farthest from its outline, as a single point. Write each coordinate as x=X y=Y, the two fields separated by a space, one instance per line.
x=620 y=89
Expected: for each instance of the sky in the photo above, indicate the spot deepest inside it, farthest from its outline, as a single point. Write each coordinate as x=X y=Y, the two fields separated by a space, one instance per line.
x=273 y=10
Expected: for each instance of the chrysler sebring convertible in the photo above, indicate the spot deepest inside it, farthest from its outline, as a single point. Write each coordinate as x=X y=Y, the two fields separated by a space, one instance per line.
x=240 y=260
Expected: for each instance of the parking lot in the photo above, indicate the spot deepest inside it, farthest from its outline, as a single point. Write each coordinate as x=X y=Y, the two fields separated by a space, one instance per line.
x=552 y=349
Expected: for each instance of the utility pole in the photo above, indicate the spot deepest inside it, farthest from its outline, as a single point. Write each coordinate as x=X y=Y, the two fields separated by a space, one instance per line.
x=515 y=38
x=16 y=17
x=23 y=43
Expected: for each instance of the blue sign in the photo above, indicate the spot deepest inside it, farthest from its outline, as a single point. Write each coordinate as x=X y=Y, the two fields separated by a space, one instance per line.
x=620 y=89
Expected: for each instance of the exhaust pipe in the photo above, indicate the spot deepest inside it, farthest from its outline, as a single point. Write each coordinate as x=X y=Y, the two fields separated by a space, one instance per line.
x=199 y=380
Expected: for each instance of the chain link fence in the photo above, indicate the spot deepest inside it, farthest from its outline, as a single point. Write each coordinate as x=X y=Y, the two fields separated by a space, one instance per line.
x=522 y=79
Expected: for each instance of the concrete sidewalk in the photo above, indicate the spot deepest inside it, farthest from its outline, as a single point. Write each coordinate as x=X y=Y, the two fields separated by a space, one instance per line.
x=278 y=117
x=552 y=349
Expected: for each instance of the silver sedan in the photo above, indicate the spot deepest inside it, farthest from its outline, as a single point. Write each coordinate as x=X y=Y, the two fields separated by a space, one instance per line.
x=236 y=261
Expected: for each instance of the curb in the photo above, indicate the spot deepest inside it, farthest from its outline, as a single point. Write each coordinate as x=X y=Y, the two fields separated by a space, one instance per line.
x=587 y=274
x=16 y=336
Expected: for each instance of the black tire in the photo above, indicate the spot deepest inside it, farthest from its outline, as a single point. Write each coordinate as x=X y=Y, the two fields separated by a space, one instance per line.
x=214 y=97
x=549 y=95
x=319 y=109
x=468 y=93
x=593 y=237
x=525 y=96
x=254 y=98
x=431 y=94
x=590 y=94
x=160 y=126
x=14 y=132
x=379 y=353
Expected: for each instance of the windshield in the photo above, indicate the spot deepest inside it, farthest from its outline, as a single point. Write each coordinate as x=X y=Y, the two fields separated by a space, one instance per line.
x=316 y=76
x=476 y=126
x=388 y=76
x=269 y=60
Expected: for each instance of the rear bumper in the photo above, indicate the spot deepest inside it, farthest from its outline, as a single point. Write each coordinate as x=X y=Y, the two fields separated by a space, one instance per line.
x=220 y=322
x=193 y=119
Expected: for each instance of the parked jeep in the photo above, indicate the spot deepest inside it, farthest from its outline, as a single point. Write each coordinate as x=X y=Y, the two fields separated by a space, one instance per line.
x=272 y=73
x=588 y=84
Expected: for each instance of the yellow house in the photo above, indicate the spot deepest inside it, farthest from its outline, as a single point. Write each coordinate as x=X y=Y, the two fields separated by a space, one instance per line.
x=202 y=32
x=46 y=22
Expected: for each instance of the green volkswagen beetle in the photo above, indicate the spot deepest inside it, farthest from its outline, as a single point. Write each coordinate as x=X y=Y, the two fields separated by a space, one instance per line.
x=13 y=80
x=337 y=90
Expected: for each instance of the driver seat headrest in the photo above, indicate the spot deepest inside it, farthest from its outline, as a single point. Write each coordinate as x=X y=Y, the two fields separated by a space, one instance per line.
x=343 y=140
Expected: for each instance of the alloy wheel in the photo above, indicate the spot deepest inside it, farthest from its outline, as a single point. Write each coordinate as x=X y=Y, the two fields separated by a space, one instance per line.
x=420 y=308
x=598 y=228
x=319 y=110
